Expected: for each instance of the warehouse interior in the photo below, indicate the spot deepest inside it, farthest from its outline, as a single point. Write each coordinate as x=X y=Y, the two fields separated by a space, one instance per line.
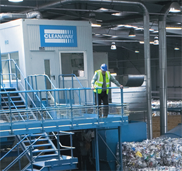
x=49 y=118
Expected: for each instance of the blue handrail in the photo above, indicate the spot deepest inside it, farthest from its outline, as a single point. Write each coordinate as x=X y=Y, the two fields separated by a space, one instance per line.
x=72 y=83
x=13 y=147
x=44 y=75
x=36 y=86
x=26 y=84
x=72 y=75
x=21 y=155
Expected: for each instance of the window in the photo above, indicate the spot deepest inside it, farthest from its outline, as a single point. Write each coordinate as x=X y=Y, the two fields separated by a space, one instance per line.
x=73 y=63
x=8 y=67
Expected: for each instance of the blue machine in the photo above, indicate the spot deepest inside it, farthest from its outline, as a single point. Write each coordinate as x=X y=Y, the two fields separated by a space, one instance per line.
x=108 y=139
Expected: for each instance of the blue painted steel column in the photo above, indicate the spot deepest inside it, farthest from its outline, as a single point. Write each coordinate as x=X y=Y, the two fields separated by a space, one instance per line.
x=45 y=79
x=0 y=76
x=85 y=96
x=9 y=73
x=120 y=147
x=26 y=100
x=97 y=151
x=16 y=76
x=9 y=104
x=122 y=107
x=72 y=86
x=58 y=146
x=71 y=108
x=41 y=112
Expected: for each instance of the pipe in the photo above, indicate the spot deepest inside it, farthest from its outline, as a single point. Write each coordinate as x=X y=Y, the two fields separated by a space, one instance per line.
x=146 y=50
x=163 y=68
x=33 y=14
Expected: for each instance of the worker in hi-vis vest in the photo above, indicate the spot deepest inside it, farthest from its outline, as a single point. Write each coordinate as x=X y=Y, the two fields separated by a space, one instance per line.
x=101 y=79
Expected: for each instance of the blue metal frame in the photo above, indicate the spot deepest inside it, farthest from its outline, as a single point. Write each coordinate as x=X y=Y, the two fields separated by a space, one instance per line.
x=48 y=123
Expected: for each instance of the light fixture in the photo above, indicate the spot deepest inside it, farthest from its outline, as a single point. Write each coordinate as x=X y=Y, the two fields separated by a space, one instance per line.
x=113 y=46
x=114 y=36
x=174 y=7
x=142 y=42
x=95 y=25
x=106 y=35
x=137 y=51
x=103 y=9
x=132 y=33
x=15 y=0
x=117 y=14
x=176 y=48
x=156 y=41
x=174 y=28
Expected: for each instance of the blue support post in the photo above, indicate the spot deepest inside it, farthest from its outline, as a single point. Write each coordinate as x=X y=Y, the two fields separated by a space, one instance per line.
x=41 y=111
x=71 y=144
x=16 y=76
x=58 y=146
x=26 y=100
x=9 y=73
x=9 y=104
x=46 y=89
x=120 y=147
x=122 y=106
x=33 y=95
x=97 y=151
x=72 y=86
x=85 y=96
x=54 y=98
x=19 y=162
x=0 y=76
x=65 y=95
x=36 y=83
x=31 y=155
x=71 y=108
x=97 y=100
x=79 y=97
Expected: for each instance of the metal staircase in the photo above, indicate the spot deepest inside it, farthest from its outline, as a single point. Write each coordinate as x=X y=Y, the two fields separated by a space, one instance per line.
x=19 y=105
x=16 y=101
x=44 y=154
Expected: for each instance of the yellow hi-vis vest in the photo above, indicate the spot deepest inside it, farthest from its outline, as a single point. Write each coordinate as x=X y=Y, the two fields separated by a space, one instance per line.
x=99 y=82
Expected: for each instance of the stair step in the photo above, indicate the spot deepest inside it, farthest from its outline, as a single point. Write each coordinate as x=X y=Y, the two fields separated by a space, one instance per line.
x=45 y=150
x=49 y=155
x=41 y=164
x=33 y=169
x=11 y=94
x=34 y=135
x=43 y=139
x=42 y=145
x=9 y=89
x=13 y=107
x=13 y=98
x=15 y=102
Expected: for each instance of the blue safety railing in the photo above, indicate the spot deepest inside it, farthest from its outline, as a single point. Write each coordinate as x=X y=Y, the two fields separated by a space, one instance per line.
x=70 y=111
x=61 y=79
x=29 y=98
x=72 y=80
x=13 y=148
x=29 y=148
x=40 y=82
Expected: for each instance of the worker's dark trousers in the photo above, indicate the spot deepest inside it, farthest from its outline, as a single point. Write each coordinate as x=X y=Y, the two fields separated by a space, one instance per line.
x=103 y=97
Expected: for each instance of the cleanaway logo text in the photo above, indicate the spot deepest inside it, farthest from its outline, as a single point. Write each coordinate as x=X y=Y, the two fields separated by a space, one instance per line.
x=58 y=36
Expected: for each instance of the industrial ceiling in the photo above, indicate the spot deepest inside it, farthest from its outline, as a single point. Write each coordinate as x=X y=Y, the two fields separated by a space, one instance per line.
x=114 y=22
